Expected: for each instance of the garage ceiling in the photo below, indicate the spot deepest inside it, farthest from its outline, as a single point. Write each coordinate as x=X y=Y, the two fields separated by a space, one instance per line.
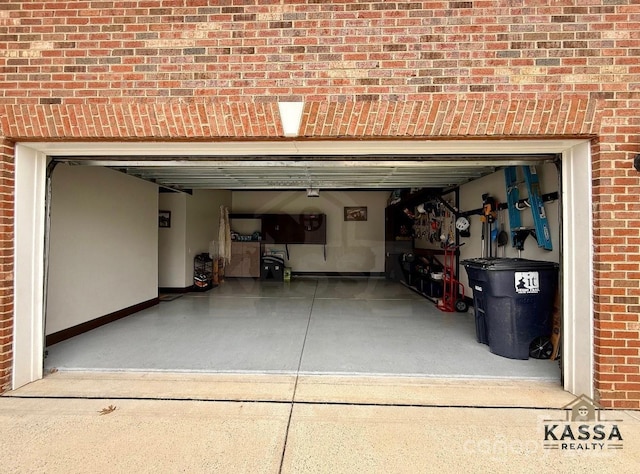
x=317 y=172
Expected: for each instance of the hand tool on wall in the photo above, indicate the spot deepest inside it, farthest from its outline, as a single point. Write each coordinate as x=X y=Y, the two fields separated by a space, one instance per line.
x=503 y=236
x=482 y=237
x=488 y=218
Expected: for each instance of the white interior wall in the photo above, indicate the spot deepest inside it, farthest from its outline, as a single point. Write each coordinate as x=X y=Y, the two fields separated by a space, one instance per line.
x=351 y=246
x=172 y=242
x=195 y=220
x=494 y=184
x=203 y=223
x=103 y=245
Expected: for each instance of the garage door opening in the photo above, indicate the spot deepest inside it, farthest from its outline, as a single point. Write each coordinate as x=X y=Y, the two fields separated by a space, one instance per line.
x=326 y=281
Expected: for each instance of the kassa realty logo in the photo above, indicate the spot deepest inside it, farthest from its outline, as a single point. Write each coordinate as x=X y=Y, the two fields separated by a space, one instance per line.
x=583 y=429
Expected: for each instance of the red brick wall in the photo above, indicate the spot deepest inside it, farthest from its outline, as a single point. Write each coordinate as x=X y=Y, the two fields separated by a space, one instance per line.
x=78 y=52
x=494 y=68
x=6 y=263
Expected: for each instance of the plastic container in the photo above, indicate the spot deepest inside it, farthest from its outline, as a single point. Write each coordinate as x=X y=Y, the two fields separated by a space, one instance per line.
x=272 y=268
x=513 y=301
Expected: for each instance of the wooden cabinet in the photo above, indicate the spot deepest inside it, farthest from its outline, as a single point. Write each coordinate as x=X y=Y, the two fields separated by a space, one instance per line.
x=245 y=260
x=294 y=229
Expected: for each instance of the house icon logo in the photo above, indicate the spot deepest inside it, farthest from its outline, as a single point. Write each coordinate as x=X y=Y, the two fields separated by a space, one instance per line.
x=582 y=408
x=583 y=428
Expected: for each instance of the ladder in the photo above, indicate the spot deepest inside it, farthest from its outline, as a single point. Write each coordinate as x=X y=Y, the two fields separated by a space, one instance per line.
x=534 y=201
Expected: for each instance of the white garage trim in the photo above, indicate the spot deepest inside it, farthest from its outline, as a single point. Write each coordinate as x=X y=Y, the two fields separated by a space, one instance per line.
x=305 y=148
x=577 y=277
x=577 y=270
x=28 y=323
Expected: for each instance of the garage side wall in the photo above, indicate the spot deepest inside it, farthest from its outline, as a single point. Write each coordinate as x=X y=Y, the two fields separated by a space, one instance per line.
x=203 y=223
x=402 y=70
x=104 y=245
x=195 y=219
x=172 y=242
x=494 y=184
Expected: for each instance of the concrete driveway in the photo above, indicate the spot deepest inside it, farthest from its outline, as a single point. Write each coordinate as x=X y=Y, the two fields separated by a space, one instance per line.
x=155 y=422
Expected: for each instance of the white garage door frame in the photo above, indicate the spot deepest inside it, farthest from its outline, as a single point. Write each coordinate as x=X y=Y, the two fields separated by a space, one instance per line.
x=577 y=255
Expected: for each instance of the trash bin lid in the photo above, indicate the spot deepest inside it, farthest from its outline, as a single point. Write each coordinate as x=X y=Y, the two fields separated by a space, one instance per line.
x=505 y=264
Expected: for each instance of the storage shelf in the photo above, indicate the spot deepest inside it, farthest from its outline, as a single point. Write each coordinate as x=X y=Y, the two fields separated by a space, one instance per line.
x=413 y=288
x=202 y=272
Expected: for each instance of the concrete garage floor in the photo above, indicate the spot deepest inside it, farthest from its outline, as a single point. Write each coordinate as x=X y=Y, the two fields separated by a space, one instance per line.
x=307 y=326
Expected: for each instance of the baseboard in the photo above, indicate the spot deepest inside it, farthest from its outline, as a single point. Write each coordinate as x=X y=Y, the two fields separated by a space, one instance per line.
x=340 y=274
x=73 y=331
x=175 y=289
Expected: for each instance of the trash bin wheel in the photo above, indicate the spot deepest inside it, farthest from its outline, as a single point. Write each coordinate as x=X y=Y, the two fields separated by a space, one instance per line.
x=541 y=348
x=462 y=306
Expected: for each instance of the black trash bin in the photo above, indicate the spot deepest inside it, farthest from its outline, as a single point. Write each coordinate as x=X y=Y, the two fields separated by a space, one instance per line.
x=513 y=300
x=479 y=289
